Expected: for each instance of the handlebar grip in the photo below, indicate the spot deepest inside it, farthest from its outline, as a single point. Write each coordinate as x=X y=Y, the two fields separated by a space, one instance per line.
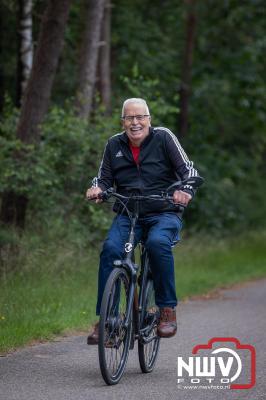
x=106 y=194
x=103 y=196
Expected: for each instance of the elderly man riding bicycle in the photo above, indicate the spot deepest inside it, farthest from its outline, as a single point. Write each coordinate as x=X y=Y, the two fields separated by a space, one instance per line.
x=144 y=160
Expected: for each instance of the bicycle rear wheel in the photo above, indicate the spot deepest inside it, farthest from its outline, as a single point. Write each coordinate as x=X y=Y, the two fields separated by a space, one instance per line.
x=149 y=342
x=114 y=337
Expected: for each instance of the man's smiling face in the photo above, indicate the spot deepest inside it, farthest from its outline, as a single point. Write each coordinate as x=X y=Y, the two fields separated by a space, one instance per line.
x=136 y=128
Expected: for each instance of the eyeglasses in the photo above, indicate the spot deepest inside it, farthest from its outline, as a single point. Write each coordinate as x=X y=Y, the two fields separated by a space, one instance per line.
x=138 y=117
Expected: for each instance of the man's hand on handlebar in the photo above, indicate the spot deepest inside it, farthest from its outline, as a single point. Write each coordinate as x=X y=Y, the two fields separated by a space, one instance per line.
x=92 y=193
x=181 y=197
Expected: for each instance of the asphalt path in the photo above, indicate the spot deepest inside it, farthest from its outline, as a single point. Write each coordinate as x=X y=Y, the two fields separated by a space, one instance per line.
x=67 y=369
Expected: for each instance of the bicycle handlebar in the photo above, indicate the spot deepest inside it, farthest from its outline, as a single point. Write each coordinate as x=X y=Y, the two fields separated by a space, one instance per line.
x=194 y=182
x=105 y=195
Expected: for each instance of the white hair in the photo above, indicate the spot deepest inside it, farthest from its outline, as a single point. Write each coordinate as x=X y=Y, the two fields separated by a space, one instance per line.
x=135 y=100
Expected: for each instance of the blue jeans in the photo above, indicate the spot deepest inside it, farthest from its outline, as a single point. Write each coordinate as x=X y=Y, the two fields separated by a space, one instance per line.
x=159 y=232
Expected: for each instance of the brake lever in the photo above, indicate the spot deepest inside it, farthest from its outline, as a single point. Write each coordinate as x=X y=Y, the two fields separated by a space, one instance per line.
x=178 y=205
x=106 y=194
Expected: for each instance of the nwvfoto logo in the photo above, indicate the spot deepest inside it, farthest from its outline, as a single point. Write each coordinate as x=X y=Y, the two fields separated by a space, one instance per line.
x=119 y=154
x=231 y=363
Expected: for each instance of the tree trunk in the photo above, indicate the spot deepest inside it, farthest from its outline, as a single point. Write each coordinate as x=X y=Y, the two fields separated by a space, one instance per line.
x=2 y=86
x=13 y=209
x=105 y=60
x=25 y=47
x=89 y=57
x=185 y=87
x=37 y=96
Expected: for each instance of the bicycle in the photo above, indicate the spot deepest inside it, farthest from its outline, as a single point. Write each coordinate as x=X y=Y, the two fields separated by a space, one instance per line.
x=128 y=313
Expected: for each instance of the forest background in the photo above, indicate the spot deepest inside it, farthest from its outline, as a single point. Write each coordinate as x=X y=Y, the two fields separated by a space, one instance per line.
x=66 y=67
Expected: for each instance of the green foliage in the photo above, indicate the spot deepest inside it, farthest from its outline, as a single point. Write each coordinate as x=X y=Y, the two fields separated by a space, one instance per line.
x=233 y=197
x=55 y=174
x=148 y=35
x=139 y=86
x=227 y=114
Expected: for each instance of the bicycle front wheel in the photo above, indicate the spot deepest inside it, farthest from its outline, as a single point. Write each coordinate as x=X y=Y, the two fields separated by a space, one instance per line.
x=149 y=342
x=114 y=336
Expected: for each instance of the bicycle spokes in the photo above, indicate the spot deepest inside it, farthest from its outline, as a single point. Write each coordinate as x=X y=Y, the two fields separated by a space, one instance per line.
x=148 y=341
x=115 y=336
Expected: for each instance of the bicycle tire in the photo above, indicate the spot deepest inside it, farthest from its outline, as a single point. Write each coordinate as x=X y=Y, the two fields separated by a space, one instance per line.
x=114 y=339
x=148 y=351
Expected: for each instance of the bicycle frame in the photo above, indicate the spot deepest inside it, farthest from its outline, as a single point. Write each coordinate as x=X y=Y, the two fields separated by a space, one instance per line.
x=135 y=299
x=129 y=265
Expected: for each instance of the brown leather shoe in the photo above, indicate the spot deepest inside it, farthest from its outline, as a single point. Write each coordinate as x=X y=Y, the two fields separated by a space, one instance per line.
x=93 y=337
x=167 y=326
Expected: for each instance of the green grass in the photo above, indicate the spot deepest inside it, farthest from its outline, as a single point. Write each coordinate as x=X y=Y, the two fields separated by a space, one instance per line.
x=53 y=289
x=204 y=264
